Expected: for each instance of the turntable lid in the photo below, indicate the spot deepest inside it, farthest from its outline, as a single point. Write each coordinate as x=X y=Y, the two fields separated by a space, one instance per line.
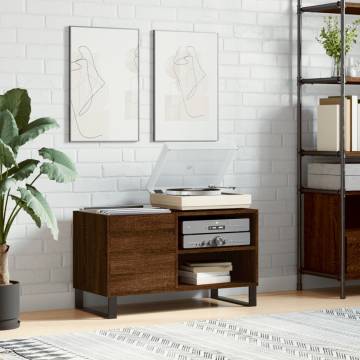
x=194 y=165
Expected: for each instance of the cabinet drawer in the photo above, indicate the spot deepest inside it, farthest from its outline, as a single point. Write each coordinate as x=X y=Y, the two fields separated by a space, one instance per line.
x=121 y=264
x=141 y=223
x=145 y=242
x=142 y=283
x=353 y=253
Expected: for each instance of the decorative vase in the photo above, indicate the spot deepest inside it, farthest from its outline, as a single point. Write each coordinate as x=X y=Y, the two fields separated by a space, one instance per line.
x=353 y=66
x=336 y=66
x=9 y=306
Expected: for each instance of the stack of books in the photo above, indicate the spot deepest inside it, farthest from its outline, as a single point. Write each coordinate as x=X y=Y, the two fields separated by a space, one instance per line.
x=201 y=273
x=328 y=134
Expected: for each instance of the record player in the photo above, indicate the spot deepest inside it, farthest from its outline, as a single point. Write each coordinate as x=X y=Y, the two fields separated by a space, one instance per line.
x=191 y=178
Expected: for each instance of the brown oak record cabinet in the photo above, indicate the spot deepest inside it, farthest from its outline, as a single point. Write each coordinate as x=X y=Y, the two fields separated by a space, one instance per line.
x=116 y=255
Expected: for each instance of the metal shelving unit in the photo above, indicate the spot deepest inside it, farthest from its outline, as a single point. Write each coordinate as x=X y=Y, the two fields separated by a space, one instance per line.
x=342 y=8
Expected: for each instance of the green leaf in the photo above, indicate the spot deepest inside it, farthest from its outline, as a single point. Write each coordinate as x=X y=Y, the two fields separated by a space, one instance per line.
x=37 y=203
x=23 y=170
x=18 y=102
x=6 y=184
x=27 y=209
x=33 y=130
x=7 y=156
x=330 y=37
x=60 y=169
x=8 y=127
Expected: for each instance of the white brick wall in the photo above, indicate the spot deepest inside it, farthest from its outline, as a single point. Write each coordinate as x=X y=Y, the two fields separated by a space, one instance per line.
x=255 y=112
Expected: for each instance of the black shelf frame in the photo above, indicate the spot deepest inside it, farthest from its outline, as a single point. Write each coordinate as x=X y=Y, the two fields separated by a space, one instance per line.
x=322 y=8
x=319 y=153
x=338 y=7
x=350 y=157
x=329 y=80
x=315 y=190
x=335 y=80
x=351 y=8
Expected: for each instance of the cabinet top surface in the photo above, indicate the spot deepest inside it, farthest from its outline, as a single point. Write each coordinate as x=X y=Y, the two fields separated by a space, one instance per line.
x=229 y=211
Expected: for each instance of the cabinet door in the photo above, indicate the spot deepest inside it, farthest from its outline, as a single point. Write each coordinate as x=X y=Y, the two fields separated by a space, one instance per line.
x=352 y=254
x=321 y=229
x=142 y=253
x=142 y=273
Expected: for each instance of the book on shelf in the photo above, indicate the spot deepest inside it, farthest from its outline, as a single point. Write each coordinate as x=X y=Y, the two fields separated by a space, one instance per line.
x=214 y=280
x=328 y=125
x=203 y=275
x=328 y=132
x=207 y=267
x=354 y=113
x=211 y=263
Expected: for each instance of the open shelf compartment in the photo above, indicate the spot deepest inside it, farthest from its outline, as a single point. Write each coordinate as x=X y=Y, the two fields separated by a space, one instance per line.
x=244 y=266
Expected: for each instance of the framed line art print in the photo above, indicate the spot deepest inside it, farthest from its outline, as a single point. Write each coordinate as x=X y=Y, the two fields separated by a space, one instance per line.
x=104 y=84
x=185 y=106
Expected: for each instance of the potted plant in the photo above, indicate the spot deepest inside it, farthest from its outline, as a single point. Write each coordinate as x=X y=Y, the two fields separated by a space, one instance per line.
x=330 y=39
x=17 y=186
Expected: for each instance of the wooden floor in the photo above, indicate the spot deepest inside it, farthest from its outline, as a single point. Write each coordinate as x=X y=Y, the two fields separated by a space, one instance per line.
x=63 y=321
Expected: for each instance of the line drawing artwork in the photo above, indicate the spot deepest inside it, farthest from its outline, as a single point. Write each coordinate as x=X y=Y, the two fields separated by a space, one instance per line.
x=188 y=74
x=185 y=86
x=133 y=60
x=104 y=84
x=88 y=86
x=131 y=99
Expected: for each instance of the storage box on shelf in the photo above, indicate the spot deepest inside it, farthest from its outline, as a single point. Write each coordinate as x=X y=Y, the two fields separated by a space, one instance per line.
x=327 y=176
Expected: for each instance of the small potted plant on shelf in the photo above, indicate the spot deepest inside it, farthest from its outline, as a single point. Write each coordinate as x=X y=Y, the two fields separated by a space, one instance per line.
x=330 y=39
x=18 y=190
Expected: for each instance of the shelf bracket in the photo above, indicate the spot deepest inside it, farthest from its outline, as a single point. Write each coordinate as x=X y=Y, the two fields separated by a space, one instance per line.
x=214 y=294
x=111 y=308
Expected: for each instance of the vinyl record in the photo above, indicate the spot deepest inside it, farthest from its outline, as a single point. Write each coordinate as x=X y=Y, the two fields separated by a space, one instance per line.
x=194 y=191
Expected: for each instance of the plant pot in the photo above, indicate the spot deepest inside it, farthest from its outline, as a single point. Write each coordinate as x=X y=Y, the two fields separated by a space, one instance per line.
x=9 y=306
x=336 y=68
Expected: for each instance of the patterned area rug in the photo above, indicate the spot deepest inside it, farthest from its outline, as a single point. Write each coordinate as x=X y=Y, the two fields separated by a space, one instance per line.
x=320 y=335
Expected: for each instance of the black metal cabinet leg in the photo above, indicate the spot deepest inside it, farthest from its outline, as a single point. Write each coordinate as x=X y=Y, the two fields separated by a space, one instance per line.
x=299 y=285
x=79 y=299
x=111 y=305
x=342 y=289
x=214 y=294
x=252 y=295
